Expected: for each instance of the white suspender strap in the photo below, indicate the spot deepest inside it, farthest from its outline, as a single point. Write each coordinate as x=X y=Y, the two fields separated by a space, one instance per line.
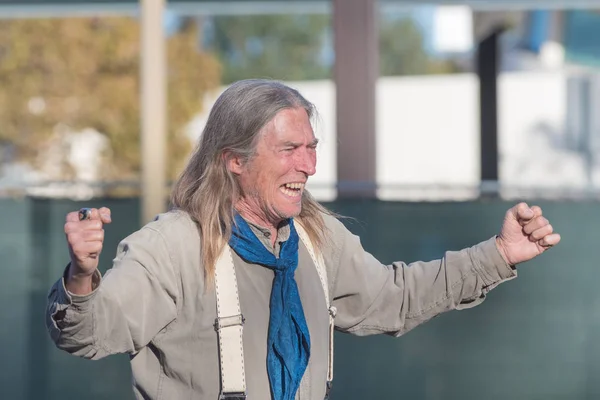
x=230 y=321
x=229 y=325
x=319 y=262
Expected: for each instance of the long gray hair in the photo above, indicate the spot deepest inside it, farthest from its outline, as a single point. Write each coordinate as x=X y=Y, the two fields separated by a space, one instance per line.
x=208 y=191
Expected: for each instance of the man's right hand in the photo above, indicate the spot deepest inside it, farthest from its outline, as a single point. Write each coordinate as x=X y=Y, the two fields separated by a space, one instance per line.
x=85 y=239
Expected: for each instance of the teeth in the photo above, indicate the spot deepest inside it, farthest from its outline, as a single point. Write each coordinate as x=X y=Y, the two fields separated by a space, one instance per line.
x=292 y=189
x=290 y=192
x=296 y=185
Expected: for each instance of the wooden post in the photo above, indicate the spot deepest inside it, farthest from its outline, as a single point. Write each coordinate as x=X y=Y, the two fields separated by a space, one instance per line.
x=153 y=110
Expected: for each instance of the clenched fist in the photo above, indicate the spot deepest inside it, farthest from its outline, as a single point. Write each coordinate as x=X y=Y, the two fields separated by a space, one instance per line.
x=84 y=238
x=525 y=234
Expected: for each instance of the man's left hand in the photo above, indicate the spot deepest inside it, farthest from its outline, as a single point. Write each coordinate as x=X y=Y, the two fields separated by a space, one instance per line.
x=525 y=234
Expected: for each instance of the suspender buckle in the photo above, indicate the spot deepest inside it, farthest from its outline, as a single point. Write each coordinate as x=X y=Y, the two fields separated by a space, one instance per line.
x=233 y=396
x=328 y=390
x=332 y=311
x=226 y=322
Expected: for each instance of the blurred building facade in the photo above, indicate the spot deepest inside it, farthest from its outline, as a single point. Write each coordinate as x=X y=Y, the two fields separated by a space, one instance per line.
x=547 y=57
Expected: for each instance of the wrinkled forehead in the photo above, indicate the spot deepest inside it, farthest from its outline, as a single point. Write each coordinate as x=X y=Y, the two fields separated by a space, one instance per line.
x=292 y=124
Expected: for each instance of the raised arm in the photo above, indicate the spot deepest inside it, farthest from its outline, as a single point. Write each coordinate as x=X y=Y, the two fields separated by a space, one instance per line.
x=90 y=316
x=374 y=298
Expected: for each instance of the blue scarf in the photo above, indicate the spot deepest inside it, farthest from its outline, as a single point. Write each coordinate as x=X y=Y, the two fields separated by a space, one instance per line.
x=288 y=342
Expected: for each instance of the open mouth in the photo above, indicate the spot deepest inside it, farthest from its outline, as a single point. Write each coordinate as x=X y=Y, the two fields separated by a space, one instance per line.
x=292 y=189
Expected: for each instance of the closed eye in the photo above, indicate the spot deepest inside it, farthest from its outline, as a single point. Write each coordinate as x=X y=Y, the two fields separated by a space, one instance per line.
x=290 y=146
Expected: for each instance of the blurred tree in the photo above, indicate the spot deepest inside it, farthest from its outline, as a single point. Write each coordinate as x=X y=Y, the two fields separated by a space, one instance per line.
x=285 y=47
x=297 y=47
x=81 y=73
x=402 y=51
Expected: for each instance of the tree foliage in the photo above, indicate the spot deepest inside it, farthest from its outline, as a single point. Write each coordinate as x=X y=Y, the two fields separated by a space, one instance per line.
x=299 y=47
x=84 y=73
x=285 y=47
x=402 y=51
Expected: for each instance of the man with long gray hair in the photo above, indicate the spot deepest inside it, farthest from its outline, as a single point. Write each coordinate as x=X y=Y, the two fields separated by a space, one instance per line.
x=237 y=289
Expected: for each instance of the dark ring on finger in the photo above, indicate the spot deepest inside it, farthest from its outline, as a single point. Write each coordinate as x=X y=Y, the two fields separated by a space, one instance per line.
x=85 y=213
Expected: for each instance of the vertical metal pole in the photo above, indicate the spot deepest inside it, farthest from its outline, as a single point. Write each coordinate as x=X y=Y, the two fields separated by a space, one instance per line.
x=487 y=70
x=557 y=26
x=356 y=71
x=153 y=109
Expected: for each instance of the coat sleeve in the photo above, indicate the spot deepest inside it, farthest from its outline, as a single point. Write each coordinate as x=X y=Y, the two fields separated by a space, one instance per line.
x=134 y=301
x=374 y=298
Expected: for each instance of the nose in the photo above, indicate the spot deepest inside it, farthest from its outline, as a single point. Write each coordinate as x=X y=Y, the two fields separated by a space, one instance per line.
x=307 y=162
